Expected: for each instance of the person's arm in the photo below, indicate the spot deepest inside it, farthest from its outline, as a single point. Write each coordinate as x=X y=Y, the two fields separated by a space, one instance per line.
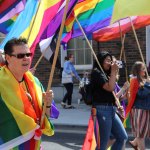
x=122 y=91
x=75 y=73
x=110 y=85
x=67 y=68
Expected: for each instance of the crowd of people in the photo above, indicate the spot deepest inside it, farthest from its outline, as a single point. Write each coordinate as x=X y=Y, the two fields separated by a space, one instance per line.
x=134 y=98
x=29 y=96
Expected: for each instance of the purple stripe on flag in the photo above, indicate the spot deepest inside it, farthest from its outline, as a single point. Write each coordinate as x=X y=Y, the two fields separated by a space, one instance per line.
x=88 y=30
x=55 y=23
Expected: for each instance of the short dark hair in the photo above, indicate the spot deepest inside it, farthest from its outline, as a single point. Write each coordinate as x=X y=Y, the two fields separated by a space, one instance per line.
x=8 y=48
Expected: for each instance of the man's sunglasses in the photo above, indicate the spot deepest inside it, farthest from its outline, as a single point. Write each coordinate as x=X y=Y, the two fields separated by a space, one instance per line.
x=20 y=56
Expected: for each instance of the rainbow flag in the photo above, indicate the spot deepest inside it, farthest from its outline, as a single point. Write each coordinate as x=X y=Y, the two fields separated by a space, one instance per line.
x=127 y=8
x=44 y=14
x=112 y=31
x=9 y=8
x=21 y=24
x=6 y=26
x=92 y=15
x=17 y=116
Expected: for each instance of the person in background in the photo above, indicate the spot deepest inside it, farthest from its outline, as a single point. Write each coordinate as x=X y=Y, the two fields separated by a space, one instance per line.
x=139 y=105
x=67 y=80
x=84 y=81
x=21 y=100
x=103 y=100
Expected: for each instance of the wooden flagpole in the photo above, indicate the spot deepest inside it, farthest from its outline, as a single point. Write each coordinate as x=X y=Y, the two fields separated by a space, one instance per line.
x=40 y=58
x=122 y=50
x=117 y=101
x=139 y=47
x=55 y=58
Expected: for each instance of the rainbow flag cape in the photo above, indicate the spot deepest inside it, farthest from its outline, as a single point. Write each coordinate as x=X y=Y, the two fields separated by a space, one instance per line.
x=9 y=8
x=112 y=31
x=134 y=86
x=127 y=8
x=92 y=15
x=17 y=116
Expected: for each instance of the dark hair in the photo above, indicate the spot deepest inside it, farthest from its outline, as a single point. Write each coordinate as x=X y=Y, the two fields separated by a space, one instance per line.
x=101 y=57
x=8 y=48
x=66 y=58
x=136 y=69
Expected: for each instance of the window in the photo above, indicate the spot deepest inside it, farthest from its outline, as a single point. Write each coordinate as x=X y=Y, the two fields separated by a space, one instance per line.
x=80 y=49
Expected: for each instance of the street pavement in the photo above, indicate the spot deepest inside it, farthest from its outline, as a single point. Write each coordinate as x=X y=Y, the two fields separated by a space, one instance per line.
x=73 y=117
x=71 y=128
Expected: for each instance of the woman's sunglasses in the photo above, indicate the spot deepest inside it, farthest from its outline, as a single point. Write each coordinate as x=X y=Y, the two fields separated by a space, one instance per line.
x=20 y=56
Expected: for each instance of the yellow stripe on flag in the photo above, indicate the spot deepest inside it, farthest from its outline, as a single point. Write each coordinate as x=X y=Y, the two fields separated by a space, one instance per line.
x=44 y=4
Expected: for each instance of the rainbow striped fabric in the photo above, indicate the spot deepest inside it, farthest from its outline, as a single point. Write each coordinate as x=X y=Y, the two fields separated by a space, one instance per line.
x=134 y=86
x=17 y=123
x=92 y=15
x=90 y=139
x=113 y=31
x=44 y=11
x=21 y=24
x=6 y=26
x=9 y=8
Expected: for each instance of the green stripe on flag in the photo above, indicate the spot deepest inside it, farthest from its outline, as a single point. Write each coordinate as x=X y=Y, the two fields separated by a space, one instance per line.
x=7 y=124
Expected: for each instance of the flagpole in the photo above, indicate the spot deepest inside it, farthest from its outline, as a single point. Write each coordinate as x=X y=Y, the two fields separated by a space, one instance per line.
x=117 y=101
x=122 y=50
x=40 y=58
x=55 y=58
x=138 y=45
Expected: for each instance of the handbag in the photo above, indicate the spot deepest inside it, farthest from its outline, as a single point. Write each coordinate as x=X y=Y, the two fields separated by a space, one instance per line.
x=66 y=78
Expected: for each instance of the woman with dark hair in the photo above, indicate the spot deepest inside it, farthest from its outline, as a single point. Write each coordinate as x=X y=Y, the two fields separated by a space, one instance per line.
x=139 y=105
x=67 y=80
x=103 y=84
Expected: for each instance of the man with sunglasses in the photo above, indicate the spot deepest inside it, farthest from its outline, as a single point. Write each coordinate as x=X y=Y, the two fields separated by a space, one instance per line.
x=21 y=102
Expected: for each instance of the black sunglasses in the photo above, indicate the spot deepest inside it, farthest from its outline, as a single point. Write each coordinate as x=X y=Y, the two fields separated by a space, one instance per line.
x=20 y=56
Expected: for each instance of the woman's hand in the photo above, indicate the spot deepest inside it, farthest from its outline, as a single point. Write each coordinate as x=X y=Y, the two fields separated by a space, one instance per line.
x=114 y=68
x=47 y=97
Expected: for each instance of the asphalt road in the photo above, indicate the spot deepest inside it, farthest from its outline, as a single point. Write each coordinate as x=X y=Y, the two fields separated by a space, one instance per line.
x=67 y=140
